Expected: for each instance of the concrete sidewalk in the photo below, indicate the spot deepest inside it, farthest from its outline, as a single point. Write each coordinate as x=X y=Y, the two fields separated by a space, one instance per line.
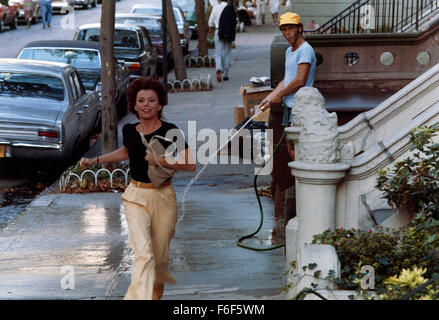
x=83 y=237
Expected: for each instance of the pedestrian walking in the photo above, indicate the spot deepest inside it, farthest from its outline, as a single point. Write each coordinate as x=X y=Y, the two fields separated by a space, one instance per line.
x=274 y=9
x=261 y=7
x=29 y=8
x=46 y=12
x=300 y=65
x=223 y=48
x=150 y=210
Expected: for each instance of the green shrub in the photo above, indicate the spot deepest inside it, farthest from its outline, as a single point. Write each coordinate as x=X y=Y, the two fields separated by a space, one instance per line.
x=413 y=184
x=388 y=252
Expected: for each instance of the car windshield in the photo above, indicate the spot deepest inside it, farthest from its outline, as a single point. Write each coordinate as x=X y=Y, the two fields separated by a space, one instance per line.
x=122 y=38
x=185 y=5
x=156 y=12
x=152 y=25
x=31 y=85
x=79 y=58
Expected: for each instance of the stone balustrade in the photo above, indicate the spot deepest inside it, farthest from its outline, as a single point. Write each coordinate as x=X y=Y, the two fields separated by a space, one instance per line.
x=336 y=167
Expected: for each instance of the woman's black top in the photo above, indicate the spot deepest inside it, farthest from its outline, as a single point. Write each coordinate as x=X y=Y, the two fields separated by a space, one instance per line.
x=137 y=150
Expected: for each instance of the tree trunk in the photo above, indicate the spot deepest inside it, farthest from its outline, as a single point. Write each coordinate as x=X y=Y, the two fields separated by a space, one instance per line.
x=177 y=50
x=109 y=114
x=202 y=28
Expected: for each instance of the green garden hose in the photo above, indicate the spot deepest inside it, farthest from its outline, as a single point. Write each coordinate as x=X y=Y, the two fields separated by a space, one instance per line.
x=261 y=211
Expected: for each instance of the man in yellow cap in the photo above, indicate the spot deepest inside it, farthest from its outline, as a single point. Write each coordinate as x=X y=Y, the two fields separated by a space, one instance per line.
x=300 y=65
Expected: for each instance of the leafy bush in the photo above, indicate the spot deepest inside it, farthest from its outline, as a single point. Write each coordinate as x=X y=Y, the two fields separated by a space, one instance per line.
x=388 y=252
x=407 y=282
x=414 y=182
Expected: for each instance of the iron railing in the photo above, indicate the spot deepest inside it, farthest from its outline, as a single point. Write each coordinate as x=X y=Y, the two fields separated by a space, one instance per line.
x=379 y=16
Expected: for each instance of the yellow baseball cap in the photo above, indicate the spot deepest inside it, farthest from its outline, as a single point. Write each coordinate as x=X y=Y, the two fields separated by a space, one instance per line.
x=289 y=18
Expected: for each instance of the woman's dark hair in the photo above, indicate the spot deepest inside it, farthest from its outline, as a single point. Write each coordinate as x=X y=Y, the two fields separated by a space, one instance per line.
x=145 y=83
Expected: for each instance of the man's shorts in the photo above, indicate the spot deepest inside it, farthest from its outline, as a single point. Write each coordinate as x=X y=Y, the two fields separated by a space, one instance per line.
x=286 y=123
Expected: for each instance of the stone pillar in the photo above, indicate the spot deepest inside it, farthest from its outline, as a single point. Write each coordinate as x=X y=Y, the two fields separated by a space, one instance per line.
x=316 y=186
x=317 y=168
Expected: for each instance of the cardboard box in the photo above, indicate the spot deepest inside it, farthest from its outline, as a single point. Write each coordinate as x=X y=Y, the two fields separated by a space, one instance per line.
x=252 y=97
x=239 y=113
x=263 y=116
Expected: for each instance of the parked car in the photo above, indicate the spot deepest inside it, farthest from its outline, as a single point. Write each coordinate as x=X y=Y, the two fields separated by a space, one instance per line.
x=8 y=16
x=85 y=3
x=45 y=112
x=155 y=9
x=100 y=1
x=154 y=27
x=188 y=7
x=20 y=17
x=61 y=6
x=132 y=47
x=85 y=57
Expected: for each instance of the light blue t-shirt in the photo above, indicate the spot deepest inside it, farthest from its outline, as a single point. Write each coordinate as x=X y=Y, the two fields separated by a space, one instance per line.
x=303 y=54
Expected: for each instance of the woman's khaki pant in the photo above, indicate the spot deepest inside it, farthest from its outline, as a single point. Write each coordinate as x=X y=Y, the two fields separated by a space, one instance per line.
x=151 y=215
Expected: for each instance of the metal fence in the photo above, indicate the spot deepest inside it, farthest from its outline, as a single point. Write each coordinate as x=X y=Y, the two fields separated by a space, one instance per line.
x=379 y=16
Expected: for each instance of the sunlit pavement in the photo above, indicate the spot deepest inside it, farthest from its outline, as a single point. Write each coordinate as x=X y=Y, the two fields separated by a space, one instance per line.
x=75 y=246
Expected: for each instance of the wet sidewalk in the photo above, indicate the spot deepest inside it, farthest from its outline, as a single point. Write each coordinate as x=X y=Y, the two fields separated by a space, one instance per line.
x=74 y=246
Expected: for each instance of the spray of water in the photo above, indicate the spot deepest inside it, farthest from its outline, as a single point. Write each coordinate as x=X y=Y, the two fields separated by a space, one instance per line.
x=194 y=179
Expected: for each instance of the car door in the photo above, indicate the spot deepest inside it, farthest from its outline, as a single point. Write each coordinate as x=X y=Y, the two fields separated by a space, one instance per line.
x=82 y=105
x=89 y=104
x=74 y=115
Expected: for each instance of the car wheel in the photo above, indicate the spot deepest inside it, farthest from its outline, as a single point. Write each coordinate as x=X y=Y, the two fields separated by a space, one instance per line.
x=85 y=6
x=13 y=24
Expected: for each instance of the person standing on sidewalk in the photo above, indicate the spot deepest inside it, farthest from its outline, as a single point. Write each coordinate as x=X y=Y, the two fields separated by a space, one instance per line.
x=46 y=12
x=223 y=49
x=300 y=65
x=151 y=213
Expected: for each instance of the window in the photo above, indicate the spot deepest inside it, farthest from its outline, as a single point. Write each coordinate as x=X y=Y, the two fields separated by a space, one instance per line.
x=79 y=88
x=158 y=12
x=151 y=24
x=423 y=57
x=387 y=58
x=79 y=58
x=31 y=85
x=146 y=41
x=351 y=59
x=73 y=86
x=126 y=39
